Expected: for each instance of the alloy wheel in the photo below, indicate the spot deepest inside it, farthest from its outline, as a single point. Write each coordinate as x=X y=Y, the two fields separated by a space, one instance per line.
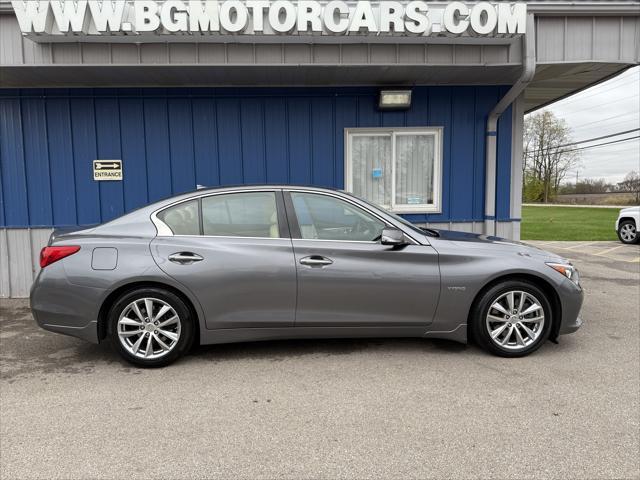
x=149 y=328
x=515 y=320
x=628 y=232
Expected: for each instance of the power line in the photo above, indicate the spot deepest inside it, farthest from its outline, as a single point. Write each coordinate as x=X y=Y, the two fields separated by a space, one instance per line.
x=600 y=120
x=577 y=96
x=591 y=107
x=614 y=82
x=604 y=120
x=609 y=124
x=605 y=144
x=602 y=137
x=528 y=154
x=587 y=140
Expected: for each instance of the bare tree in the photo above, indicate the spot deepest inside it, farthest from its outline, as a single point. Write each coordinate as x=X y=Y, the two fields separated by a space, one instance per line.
x=631 y=184
x=547 y=156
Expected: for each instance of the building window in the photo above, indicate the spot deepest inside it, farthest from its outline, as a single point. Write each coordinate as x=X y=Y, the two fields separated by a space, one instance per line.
x=399 y=169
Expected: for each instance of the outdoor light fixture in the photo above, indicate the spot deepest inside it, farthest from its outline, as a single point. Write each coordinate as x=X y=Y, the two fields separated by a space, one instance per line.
x=395 y=100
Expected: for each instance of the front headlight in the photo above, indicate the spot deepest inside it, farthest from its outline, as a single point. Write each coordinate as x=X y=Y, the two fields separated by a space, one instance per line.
x=567 y=270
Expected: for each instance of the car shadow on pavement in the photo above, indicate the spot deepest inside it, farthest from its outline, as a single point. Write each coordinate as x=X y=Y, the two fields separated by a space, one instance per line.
x=277 y=350
x=26 y=350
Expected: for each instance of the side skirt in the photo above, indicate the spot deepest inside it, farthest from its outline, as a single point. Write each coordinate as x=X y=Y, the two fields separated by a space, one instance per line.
x=458 y=334
x=209 y=337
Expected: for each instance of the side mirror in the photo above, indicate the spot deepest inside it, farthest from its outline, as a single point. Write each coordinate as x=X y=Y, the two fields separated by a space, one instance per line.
x=393 y=237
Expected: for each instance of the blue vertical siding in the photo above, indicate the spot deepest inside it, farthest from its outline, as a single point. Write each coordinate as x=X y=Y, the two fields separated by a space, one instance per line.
x=83 y=135
x=252 y=140
x=158 y=162
x=440 y=114
x=461 y=186
x=63 y=178
x=12 y=163
x=36 y=161
x=107 y=129
x=170 y=140
x=322 y=143
x=132 y=134
x=503 y=166
x=230 y=141
x=181 y=152
x=205 y=142
x=276 y=141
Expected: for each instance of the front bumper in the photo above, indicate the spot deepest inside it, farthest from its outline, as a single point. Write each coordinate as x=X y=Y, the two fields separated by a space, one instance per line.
x=571 y=299
x=570 y=326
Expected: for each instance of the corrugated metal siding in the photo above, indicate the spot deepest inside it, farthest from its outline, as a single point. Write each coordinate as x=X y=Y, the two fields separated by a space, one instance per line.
x=561 y=38
x=19 y=259
x=170 y=140
x=614 y=39
x=18 y=50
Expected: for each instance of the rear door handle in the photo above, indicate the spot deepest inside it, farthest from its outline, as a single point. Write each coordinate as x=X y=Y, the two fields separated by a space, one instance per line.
x=316 y=261
x=185 y=258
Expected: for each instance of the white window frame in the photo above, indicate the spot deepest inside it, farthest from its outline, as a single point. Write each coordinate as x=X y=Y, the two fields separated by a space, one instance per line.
x=436 y=132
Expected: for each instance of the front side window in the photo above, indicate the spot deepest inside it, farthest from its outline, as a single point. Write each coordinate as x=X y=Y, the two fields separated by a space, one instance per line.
x=252 y=214
x=399 y=169
x=323 y=217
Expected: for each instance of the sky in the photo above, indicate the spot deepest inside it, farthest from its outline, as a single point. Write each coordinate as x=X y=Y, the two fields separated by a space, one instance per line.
x=610 y=107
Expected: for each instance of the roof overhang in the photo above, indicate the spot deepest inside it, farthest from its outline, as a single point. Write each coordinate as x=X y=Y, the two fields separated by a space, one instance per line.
x=578 y=44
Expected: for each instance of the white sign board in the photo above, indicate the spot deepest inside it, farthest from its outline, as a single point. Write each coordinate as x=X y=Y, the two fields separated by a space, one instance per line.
x=107 y=170
x=83 y=20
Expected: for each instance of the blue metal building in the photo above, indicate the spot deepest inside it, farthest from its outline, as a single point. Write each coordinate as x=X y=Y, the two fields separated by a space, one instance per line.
x=171 y=140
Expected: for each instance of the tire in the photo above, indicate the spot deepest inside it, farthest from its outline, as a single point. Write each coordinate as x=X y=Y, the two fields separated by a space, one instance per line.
x=628 y=233
x=525 y=333
x=170 y=330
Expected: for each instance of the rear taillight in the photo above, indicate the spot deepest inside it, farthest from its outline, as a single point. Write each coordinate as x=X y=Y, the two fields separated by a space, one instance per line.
x=50 y=255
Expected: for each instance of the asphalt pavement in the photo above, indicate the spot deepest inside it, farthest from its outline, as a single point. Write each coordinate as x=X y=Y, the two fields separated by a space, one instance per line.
x=388 y=408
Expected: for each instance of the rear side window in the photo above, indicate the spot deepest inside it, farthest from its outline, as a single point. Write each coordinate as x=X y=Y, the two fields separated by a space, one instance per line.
x=251 y=214
x=182 y=219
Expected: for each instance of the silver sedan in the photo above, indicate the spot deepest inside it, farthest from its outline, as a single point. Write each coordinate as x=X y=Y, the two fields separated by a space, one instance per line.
x=259 y=263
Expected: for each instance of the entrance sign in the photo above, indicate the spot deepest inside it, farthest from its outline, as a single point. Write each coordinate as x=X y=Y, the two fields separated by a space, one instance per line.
x=127 y=19
x=107 y=170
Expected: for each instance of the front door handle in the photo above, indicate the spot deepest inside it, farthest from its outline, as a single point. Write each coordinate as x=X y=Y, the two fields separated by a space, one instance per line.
x=316 y=261
x=185 y=258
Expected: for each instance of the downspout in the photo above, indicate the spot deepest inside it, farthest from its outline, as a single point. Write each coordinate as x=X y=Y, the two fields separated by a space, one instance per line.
x=528 y=72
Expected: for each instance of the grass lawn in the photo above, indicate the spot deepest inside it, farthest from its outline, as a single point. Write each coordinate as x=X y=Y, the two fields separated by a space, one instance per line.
x=568 y=223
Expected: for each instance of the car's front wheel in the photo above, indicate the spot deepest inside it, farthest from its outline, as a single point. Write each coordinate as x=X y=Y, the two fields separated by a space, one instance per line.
x=150 y=327
x=628 y=233
x=512 y=319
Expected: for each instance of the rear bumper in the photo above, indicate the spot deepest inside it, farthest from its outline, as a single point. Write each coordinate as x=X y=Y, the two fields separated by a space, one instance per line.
x=89 y=332
x=63 y=308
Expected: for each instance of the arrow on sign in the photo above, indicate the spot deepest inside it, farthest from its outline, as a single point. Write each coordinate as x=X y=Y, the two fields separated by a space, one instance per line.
x=100 y=166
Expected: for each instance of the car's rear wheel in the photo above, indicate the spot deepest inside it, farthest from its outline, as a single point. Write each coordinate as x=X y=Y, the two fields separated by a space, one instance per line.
x=150 y=327
x=628 y=233
x=512 y=319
